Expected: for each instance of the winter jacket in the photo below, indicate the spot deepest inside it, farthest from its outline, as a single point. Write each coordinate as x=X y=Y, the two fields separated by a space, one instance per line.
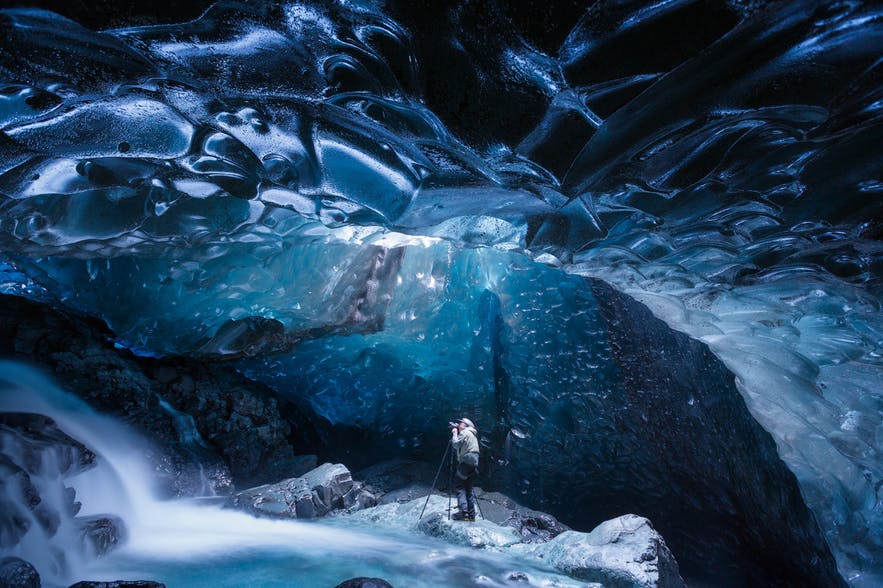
x=466 y=445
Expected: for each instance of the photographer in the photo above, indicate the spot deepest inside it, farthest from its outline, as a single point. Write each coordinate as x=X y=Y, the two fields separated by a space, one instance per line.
x=465 y=443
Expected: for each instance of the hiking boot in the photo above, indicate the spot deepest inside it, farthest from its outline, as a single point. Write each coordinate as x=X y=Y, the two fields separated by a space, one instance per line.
x=462 y=516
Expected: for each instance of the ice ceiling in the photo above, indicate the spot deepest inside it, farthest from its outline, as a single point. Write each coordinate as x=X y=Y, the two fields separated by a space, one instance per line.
x=308 y=188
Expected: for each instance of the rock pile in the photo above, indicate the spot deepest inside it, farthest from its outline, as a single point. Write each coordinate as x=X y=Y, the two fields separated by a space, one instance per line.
x=327 y=489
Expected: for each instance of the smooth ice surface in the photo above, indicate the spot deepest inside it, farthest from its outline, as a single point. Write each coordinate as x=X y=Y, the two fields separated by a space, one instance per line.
x=263 y=178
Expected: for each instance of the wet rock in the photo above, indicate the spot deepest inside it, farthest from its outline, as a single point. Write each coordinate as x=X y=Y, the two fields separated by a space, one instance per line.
x=17 y=496
x=17 y=573
x=364 y=583
x=253 y=431
x=287 y=499
x=481 y=533
x=531 y=525
x=101 y=533
x=622 y=552
x=329 y=483
x=35 y=435
x=38 y=512
x=36 y=456
x=321 y=491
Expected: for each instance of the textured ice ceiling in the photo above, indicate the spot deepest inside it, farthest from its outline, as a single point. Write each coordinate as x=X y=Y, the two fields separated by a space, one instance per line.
x=290 y=180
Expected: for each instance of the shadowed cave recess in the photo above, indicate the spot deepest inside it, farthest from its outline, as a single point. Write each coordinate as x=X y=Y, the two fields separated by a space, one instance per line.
x=638 y=243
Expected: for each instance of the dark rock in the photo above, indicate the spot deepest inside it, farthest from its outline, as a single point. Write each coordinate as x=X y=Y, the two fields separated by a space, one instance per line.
x=17 y=496
x=17 y=573
x=34 y=435
x=35 y=449
x=253 y=430
x=288 y=499
x=102 y=533
x=214 y=426
x=37 y=503
x=364 y=583
x=119 y=584
x=399 y=480
x=531 y=525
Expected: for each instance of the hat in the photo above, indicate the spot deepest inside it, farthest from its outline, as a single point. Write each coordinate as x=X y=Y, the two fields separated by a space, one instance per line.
x=466 y=422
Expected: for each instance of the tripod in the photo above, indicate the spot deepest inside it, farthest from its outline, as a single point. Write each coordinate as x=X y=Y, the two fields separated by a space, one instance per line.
x=450 y=485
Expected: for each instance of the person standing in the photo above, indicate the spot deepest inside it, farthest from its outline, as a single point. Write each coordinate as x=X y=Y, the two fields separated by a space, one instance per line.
x=464 y=440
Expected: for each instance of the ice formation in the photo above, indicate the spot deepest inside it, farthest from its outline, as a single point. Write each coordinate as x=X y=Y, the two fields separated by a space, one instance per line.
x=283 y=185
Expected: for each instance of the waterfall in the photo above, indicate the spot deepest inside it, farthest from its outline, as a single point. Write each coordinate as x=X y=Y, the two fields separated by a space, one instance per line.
x=112 y=487
x=120 y=484
x=195 y=542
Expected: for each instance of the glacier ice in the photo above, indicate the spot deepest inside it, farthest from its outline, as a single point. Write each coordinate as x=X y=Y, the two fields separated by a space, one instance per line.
x=303 y=187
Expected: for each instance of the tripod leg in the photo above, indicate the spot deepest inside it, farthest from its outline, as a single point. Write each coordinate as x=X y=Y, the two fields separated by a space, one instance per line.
x=450 y=486
x=440 y=466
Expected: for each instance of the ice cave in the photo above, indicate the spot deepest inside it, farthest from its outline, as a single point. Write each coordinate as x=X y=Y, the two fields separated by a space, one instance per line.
x=257 y=257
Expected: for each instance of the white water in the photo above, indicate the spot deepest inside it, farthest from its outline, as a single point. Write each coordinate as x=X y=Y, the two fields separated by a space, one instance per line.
x=192 y=544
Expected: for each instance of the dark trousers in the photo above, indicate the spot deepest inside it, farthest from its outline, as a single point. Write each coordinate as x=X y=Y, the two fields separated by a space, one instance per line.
x=463 y=481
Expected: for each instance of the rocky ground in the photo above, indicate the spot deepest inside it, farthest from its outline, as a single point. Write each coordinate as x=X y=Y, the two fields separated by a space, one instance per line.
x=622 y=552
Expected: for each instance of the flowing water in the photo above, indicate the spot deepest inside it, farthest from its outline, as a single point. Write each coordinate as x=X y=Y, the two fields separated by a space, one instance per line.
x=197 y=543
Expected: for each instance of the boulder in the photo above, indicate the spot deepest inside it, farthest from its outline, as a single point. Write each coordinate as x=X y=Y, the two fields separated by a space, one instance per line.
x=481 y=533
x=101 y=533
x=625 y=552
x=531 y=525
x=329 y=483
x=323 y=490
x=17 y=573
x=286 y=499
